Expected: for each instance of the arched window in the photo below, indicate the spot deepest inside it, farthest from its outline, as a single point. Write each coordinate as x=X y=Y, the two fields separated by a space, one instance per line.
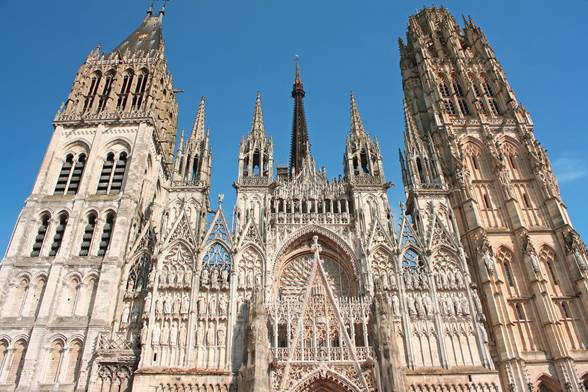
x=527 y=201
x=17 y=296
x=3 y=353
x=487 y=88
x=71 y=291
x=88 y=234
x=547 y=256
x=494 y=109
x=106 y=234
x=106 y=91
x=364 y=162
x=92 y=90
x=449 y=107
x=32 y=304
x=16 y=362
x=565 y=310
x=125 y=89
x=70 y=175
x=113 y=172
x=73 y=360
x=140 y=90
x=53 y=363
x=487 y=203
x=41 y=233
x=58 y=237
x=444 y=89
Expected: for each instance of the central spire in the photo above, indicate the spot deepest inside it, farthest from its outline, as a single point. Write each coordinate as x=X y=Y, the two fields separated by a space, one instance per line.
x=300 y=146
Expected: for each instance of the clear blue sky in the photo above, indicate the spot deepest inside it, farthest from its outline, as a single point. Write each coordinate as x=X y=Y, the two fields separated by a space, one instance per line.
x=227 y=50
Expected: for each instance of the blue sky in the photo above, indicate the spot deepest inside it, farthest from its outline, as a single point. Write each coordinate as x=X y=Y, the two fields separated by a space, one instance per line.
x=227 y=50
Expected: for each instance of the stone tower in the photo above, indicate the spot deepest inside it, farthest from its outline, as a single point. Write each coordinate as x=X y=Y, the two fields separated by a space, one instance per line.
x=470 y=149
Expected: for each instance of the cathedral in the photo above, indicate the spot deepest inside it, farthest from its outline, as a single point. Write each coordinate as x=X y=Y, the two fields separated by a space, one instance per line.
x=122 y=275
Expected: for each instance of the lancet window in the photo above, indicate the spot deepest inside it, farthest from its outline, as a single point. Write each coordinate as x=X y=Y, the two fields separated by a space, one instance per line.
x=53 y=363
x=140 y=87
x=113 y=173
x=70 y=175
x=73 y=361
x=59 y=231
x=125 y=89
x=106 y=234
x=3 y=353
x=16 y=362
x=88 y=234
x=92 y=90
x=41 y=234
x=106 y=91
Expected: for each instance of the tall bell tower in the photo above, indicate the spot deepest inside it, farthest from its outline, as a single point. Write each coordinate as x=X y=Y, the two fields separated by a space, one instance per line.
x=471 y=143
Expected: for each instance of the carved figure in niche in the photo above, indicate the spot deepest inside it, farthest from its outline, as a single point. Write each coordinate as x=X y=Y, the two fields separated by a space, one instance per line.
x=214 y=278
x=459 y=280
x=212 y=306
x=408 y=281
x=438 y=280
x=241 y=278
x=204 y=279
x=450 y=281
x=163 y=277
x=152 y=277
x=258 y=280
x=385 y=284
x=416 y=284
x=483 y=333
x=177 y=304
x=489 y=262
x=180 y=280
x=221 y=337
x=534 y=262
x=225 y=278
x=444 y=280
x=392 y=280
x=171 y=278
x=222 y=305
x=124 y=319
x=465 y=306
x=165 y=334
x=396 y=305
x=427 y=305
x=185 y=303
x=173 y=335
x=183 y=334
x=457 y=306
x=167 y=304
x=156 y=335
x=411 y=307
x=424 y=282
x=200 y=334
x=210 y=335
x=201 y=306
x=188 y=277
x=250 y=279
x=159 y=306
x=419 y=306
x=147 y=307
x=449 y=309
x=144 y=333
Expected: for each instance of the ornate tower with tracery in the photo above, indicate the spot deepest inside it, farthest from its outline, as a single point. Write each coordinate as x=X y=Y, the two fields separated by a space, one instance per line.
x=471 y=150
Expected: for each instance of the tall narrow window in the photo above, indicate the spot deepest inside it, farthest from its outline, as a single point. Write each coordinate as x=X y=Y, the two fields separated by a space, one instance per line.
x=88 y=235
x=487 y=89
x=58 y=237
x=449 y=107
x=508 y=273
x=40 y=237
x=494 y=107
x=125 y=89
x=552 y=272
x=520 y=312
x=444 y=88
x=106 y=174
x=106 y=91
x=53 y=362
x=119 y=173
x=487 y=204
x=140 y=90
x=463 y=106
x=3 y=354
x=512 y=161
x=73 y=359
x=106 y=235
x=477 y=91
x=457 y=88
x=566 y=310
x=64 y=174
x=76 y=177
x=527 y=201
x=17 y=362
x=94 y=83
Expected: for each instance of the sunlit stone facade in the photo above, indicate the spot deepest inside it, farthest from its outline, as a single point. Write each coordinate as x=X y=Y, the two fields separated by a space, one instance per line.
x=120 y=275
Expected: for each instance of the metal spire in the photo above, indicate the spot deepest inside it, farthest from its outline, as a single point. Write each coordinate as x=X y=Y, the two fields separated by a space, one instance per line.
x=300 y=146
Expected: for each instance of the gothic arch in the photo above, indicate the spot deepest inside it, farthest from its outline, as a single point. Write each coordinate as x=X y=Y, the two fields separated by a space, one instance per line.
x=117 y=145
x=323 y=233
x=76 y=146
x=323 y=380
x=546 y=383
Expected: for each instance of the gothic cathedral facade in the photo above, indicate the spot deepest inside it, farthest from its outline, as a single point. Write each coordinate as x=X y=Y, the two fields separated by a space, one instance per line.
x=120 y=275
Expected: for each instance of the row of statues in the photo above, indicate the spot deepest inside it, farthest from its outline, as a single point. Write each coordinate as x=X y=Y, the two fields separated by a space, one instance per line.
x=215 y=278
x=175 y=277
x=212 y=307
x=422 y=306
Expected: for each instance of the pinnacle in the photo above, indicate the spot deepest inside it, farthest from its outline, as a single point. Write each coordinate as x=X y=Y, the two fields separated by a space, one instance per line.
x=257 y=125
x=198 y=128
x=357 y=127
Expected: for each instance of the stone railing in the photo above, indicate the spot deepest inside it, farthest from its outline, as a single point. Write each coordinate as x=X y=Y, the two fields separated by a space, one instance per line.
x=293 y=218
x=320 y=354
x=254 y=181
x=117 y=341
x=101 y=116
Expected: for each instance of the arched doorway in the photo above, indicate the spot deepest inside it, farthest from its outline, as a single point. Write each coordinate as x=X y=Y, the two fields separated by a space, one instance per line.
x=324 y=384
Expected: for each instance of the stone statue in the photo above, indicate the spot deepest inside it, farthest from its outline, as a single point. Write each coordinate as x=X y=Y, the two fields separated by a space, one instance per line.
x=147 y=306
x=241 y=278
x=200 y=334
x=163 y=277
x=177 y=304
x=156 y=335
x=221 y=337
x=173 y=335
x=225 y=278
x=210 y=335
x=214 y=277
x=201 y=306
x=165 y=334
x=183 y=334
x=188 y=277
x=396 y=305
x=204 y=278
x=185 y=303
x=222 y=305
x=159 y=306
x=489 y=262
x=124 y=319
x=167 y=304
x=180 y=280
x=212 y=306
